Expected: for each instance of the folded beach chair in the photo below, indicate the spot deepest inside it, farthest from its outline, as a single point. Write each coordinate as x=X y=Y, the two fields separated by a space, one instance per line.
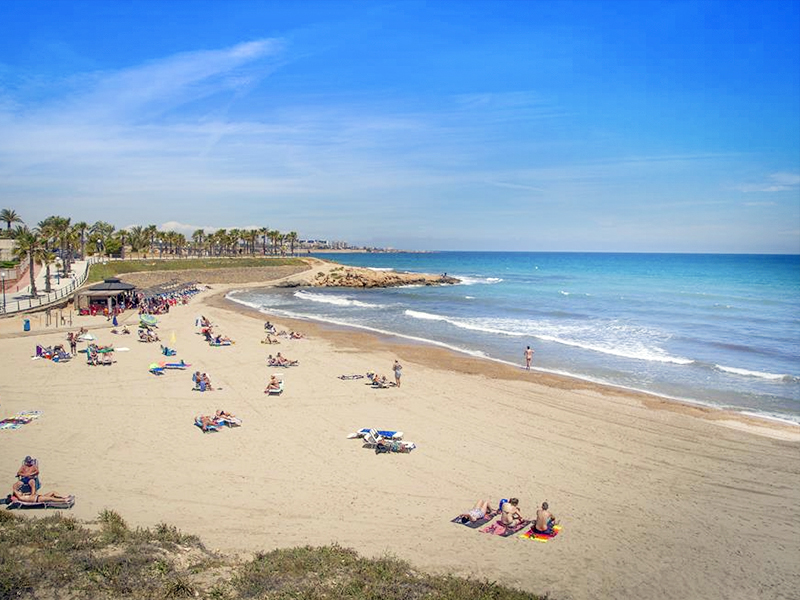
x=12 y=503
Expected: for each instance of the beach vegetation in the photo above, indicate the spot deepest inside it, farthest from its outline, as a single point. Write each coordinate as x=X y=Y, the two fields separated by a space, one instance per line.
x=101 y=271
x=60 y=557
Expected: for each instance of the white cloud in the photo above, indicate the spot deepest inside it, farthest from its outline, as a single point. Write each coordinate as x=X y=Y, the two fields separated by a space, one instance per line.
x=776 y=182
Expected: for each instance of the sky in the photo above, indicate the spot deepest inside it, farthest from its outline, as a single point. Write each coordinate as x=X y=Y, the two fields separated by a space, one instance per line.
x=606 y=126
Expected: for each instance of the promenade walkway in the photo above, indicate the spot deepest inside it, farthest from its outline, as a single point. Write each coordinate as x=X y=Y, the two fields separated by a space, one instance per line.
x=19 y=298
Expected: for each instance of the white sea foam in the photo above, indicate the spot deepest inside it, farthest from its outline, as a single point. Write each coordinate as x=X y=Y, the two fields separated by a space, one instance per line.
x=380 y=268
x=334 y=299
x=747 y=373
x=467 y=280
x=609 y=338
x=469 y=297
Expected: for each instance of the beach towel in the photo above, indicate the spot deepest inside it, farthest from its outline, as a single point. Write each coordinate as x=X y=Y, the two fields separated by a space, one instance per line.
x=20 y=419
x=502 y=530
x=277 y=392
x=345 y=377
x=156 y=369
x=180 y=365
x=13 y=503
x=541 y=537
x=475 y=524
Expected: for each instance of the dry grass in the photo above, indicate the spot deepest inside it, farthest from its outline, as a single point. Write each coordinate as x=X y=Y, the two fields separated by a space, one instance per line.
x=58 y=557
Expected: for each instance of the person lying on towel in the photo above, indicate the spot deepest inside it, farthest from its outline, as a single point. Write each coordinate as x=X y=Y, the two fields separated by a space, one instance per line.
x=24 y=493
x=480 y=510
x=545 y=521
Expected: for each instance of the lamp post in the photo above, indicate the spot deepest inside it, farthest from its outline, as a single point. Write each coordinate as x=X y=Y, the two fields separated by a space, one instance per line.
x=3 y=275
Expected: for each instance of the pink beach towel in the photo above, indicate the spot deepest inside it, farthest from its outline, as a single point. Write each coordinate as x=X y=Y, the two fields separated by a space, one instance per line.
x=498 y=528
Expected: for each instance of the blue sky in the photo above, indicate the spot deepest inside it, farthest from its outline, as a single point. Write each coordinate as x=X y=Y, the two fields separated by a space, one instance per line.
x=585 y=126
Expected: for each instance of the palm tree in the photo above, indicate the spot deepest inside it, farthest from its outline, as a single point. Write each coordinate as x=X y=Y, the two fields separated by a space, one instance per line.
x=291 y=237
x=152 y=232
x=81 y=228
x=197 y=237
x=45 y=257
x=9 y=216
x=26 y=245
x=101 y=233
x=137 y=239
x=264 y=232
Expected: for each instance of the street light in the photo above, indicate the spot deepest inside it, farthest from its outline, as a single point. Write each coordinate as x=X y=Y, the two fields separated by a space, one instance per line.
x=3 y=275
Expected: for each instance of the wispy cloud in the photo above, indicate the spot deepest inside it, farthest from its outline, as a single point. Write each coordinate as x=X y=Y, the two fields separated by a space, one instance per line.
x=776 y=182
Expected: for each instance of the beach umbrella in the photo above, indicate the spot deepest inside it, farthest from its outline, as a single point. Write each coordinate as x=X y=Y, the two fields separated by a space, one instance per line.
x=148 y=320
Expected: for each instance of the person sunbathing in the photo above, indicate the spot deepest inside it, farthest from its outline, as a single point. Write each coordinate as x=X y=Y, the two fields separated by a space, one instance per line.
x=206 y=422
x=295 y=335
x=24 y=493
x=509 y=513
x=221 y=339
x=270 y=340
x=221 y=414
x=545 y=521
x=274 y=385
x=285 y=362
x=125 y=330
x=107 y=360
x=204 y=378
x=480 y=510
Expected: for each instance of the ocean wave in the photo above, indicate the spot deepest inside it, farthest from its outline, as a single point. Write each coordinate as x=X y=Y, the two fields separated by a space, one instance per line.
x=380 y=268
x=611 y=338
x=334 y=299
x=229 y=296
x=760 y=374
x=564 y=293
x=467 y=280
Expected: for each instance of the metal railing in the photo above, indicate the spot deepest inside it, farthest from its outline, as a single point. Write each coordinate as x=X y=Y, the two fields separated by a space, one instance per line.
x=14 y=305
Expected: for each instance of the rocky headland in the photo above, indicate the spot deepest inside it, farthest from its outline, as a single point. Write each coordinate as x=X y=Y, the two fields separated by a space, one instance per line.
x=357 y=277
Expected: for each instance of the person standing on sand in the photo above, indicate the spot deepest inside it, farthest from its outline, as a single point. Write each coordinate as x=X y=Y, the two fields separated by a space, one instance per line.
x=528 y=358
x=398 y=372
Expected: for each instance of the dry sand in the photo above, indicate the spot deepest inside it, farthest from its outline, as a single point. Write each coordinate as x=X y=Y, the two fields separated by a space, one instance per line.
x=657 y=499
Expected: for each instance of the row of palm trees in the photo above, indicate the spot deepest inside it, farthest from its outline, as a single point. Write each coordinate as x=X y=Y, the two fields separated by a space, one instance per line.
x=39 y=244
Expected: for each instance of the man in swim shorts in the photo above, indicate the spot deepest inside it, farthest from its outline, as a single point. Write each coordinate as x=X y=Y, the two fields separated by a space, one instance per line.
x=398 y=372
x=528 y=358
x=544 y=520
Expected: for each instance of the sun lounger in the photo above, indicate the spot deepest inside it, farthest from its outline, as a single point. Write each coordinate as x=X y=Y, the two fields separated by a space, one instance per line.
x=391 y=435
x=12 y=503
x=180 y=365
x=206 y=428
x=372 y=439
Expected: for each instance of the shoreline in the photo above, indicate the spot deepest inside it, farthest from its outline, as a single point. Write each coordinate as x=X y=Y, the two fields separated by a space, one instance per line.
x=759 y=424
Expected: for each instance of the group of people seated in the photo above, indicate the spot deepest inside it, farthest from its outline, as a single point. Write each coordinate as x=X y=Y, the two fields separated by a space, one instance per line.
x=378 y=380
x=148 y=335
x=281 y=361
x=99 y=355
x=215 y=340
x=202 y=382
x=510 y=515
x=26 y=488
x=56 y=353
x=273 y=334
x=220 y=418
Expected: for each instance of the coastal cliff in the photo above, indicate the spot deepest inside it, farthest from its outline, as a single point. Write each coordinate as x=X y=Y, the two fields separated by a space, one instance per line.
x=356 y=277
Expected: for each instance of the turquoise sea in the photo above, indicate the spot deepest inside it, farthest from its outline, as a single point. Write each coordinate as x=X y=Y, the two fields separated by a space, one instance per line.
x=722 y=330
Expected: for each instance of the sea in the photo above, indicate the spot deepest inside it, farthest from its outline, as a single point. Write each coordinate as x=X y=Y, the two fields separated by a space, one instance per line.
x=712 y=329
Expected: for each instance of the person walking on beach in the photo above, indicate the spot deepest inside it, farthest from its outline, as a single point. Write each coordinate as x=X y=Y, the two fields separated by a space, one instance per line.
x=398 y=372
x=528 y=358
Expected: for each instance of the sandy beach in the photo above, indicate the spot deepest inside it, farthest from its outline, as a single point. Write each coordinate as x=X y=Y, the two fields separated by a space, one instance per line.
x=656 y=499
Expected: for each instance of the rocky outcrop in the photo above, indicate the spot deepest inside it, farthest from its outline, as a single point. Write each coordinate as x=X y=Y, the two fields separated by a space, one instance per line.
x=355 y=277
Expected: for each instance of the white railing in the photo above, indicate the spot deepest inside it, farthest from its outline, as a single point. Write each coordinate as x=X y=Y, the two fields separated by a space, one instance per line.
x=11 y=306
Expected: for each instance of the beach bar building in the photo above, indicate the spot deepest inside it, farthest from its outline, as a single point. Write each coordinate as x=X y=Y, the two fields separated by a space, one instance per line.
x=104 y=296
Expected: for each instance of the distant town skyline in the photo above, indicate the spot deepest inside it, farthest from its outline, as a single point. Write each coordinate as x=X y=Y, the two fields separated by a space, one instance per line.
x=540 y=126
